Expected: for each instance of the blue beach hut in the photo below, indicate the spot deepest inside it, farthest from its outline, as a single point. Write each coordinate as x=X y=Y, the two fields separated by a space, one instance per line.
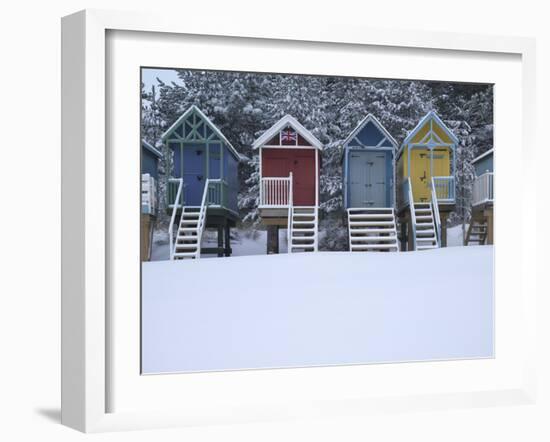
x=368 y=163
x=203 y=186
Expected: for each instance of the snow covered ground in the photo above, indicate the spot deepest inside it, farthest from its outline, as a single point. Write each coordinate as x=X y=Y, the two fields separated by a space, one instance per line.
x=317 y=309
x=243 y=243
x=455 y=236
x=248 y=242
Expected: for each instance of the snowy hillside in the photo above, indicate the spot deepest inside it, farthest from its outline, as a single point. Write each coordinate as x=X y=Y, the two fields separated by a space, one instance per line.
x=317 y=309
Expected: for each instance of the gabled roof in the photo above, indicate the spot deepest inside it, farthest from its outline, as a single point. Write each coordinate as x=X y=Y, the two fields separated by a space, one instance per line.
x=151 y=149
x=287 y=120
x=194 y=108
x=430 y=115
x=483 y=155
x=372 y=119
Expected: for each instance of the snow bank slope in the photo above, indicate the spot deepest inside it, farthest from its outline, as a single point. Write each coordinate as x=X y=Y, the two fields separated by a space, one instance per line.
x=360 y=308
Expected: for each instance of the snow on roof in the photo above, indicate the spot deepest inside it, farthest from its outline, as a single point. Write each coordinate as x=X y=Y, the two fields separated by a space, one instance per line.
x=287 y=120
x=151 y=149
x=208 y=121
x=430 y=115
x=377 y=123
x=483 y=155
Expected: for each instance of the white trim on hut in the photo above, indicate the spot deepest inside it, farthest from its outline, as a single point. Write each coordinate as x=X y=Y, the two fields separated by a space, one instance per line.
x=214 y=128
x=287 y=120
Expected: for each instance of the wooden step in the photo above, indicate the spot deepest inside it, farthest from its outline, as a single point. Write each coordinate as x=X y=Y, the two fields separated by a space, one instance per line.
x=184 y=255
x=374 y=238
x=185 y=246
x=370 y=216
x=372 y=223
x=374 y=246
x=373 y=230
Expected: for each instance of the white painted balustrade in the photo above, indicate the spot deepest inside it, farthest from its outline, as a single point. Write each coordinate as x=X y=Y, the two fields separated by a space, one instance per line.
x=482 y=191
x=148 y=194
x=275 y=192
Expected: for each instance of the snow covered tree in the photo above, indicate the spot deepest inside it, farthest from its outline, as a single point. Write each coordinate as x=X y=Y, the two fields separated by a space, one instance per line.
x=244 y=105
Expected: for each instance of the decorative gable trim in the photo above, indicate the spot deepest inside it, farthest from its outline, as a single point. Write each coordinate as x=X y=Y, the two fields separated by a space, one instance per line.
x=287 y=120
x=371 y=119
x=208 y=122
x=430 y=116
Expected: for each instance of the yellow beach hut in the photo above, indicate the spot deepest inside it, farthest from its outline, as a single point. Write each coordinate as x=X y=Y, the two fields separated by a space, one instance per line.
x=426 y=183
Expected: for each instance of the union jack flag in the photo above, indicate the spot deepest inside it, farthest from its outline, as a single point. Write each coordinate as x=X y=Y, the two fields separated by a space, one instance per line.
x=288 y=136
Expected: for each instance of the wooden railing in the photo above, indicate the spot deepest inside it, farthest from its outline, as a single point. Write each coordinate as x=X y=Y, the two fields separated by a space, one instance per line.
x=436 y=215
x=275 y=191
x=177 y=197
x=290 y=215
x=202 y=214
x=148 y=194
x=172 y=191
x=409 y=199
x=482 y=192
x=444 y=187
x=217 y=193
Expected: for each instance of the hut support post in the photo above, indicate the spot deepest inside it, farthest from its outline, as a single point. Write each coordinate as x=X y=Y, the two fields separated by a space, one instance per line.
x=489 y=217
x=444 y=217
x=272 y=239
x=227 y=240
x=220 y=241
x=404 y=236
x=410 y=235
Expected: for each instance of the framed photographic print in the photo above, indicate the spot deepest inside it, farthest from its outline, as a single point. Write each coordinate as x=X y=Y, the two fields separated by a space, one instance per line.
x=290 y=223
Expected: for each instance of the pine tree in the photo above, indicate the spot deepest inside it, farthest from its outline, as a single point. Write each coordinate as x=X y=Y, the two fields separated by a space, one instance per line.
x=244 y=105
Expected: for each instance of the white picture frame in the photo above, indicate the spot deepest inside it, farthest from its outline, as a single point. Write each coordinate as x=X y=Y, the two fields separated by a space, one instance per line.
x=86 y=315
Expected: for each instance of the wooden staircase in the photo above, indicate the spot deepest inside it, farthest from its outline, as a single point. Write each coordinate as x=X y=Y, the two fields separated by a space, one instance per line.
x=372 y=230
x=424 y=226
x=303 y=229
x=187 y=244
x=476 y=234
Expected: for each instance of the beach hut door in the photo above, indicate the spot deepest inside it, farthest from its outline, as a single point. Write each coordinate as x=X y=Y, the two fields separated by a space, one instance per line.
x=194 y=170
x=368 y=179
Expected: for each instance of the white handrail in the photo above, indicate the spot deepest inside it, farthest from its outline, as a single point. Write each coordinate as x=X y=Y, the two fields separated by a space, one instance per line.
x=202 y=213
x=482 y=191
x=173 y=217
x=437 y=217
x=290 y=214
x=411 y=208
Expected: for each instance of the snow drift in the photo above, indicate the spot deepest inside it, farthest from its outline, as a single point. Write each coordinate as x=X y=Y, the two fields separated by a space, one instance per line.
x=328 y=308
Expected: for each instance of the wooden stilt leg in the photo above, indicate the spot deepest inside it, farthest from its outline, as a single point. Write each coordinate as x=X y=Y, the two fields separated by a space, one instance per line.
x=444 y=217
x=227 y=240
x=220 y=241
x=272 y=239
x=410 y=235
x=403 y=235
x=490 y=226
